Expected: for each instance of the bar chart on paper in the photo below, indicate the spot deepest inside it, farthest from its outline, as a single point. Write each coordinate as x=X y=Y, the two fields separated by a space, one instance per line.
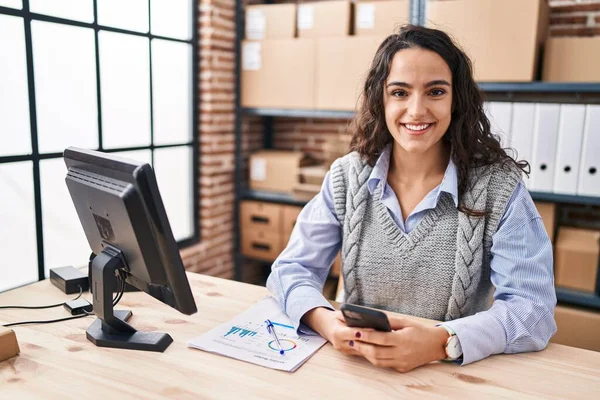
x=246 y=338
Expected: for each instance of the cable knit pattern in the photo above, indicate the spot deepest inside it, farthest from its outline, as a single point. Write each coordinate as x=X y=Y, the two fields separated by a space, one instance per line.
x=440 y=270
x=355 y=206
x=469 y=247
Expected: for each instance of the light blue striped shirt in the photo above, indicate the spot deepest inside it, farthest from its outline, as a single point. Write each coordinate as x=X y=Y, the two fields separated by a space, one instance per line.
x=522 y=315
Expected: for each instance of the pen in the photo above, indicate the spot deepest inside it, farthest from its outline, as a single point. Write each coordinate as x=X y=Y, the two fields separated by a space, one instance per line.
x=271 y=330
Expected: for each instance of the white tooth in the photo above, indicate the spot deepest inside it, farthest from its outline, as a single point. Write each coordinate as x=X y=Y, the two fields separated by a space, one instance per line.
x=417 y=127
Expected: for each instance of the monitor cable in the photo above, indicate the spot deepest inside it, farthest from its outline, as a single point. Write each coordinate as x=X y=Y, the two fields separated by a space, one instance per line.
x=83 y=313
x=47 y=306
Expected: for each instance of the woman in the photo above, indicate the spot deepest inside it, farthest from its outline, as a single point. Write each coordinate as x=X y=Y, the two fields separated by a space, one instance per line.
x=432 y=217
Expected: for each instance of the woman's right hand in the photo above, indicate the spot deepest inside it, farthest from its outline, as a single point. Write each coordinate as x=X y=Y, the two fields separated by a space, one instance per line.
x=332 y=326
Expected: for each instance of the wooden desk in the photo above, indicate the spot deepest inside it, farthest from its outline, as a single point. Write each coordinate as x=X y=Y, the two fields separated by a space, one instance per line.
x=57 y=361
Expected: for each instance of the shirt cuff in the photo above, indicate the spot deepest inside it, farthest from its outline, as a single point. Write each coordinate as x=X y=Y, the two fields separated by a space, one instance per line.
x=301 y=300
x=480 y=336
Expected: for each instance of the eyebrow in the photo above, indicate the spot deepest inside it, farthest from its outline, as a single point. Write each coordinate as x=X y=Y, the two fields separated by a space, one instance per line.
x=409 y=86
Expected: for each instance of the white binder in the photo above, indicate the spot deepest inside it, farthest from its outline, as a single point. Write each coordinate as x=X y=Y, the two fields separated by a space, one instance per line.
x=545 y=135
x=521 y=133
x=568 y=151
x=589 y=170
x=500 y=115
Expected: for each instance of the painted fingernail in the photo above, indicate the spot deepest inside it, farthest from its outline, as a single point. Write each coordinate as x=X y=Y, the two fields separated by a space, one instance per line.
x=351 y=343
x=357 y=335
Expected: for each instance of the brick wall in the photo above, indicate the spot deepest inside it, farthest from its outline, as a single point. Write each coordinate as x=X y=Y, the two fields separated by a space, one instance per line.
x=575 y=17
x=214 y=254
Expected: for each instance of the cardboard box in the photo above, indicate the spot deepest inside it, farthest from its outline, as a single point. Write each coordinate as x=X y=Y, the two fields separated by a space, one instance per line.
x=258 y=215
x=278 y=73
x=342 y=66
x=276 y=170
x=548 y=213
x=289 y=216
x=502 y=38
x=9 y=347
x=305 y=191
x=313 y=175
x=270 y=21
x=324 y=19
x=577 y=328
x=576 y=259
x=380 y=18
x=572 y=59
x=261 y=245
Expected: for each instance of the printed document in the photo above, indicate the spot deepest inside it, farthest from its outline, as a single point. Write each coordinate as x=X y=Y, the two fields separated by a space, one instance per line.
x=246 y=338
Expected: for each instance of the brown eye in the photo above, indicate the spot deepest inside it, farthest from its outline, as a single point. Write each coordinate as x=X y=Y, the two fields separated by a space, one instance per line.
x=437 y=92
x=398 y=93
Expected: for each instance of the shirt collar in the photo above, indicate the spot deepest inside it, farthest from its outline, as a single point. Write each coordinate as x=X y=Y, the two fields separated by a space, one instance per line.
x=382 y=165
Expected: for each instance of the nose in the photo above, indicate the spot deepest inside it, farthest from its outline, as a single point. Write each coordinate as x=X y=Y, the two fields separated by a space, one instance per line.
x=417 y=107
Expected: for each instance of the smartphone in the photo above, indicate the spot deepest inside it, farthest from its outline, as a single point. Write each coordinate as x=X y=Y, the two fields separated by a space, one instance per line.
x=363 y=317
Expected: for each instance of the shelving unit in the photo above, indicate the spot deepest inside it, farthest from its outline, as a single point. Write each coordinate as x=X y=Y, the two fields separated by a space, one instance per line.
x=284 y=198
x=588 y=93
x=281 y=112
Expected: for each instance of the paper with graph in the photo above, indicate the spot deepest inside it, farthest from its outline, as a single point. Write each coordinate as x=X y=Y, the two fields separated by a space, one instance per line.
x=246 y=338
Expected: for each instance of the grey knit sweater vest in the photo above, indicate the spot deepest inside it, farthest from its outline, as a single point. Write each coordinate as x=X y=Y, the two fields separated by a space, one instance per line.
x=441 y=269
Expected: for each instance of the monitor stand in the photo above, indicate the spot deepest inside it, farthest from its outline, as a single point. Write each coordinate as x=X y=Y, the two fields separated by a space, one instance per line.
x=111 y=328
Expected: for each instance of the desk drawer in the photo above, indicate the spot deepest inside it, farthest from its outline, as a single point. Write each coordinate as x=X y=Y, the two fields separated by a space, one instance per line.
x=261 y=245
x=289 y=216
x=256 y=215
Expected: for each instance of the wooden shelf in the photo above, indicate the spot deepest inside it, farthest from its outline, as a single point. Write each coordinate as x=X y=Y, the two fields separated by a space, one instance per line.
x=284 y=198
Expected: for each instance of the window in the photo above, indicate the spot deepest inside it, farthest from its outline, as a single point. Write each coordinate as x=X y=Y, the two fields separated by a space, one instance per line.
x=107 y=75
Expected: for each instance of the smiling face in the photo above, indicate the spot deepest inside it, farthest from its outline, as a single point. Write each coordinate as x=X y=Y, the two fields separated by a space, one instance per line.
x=417 y=98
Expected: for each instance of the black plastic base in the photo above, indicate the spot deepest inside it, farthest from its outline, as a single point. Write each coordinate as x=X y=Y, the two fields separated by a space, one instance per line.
x=147 y=341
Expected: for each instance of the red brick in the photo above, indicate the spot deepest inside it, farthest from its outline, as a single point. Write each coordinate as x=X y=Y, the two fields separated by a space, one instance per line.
x=579 y=31
x=576 y=7
x=568 y=19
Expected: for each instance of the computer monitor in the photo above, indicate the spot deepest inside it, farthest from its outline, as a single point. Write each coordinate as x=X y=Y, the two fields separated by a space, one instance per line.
x=122 y=213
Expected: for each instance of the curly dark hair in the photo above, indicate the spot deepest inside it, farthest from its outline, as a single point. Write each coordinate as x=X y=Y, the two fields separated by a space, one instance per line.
x=469 y=134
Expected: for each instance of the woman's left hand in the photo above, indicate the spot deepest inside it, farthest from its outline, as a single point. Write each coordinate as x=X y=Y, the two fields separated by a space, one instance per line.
x=409 y=345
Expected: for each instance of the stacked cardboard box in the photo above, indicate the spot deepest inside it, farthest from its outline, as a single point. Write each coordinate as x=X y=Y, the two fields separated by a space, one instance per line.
x=280 y=70
x=323 y=67
x=380 y=18
x=310 y=180
x=277 y=170
x=324 y=19
x=576 y=260
x=500 y=53
x=305 y=56
x=342 y=66
x=272 y=21
x=572 y=59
